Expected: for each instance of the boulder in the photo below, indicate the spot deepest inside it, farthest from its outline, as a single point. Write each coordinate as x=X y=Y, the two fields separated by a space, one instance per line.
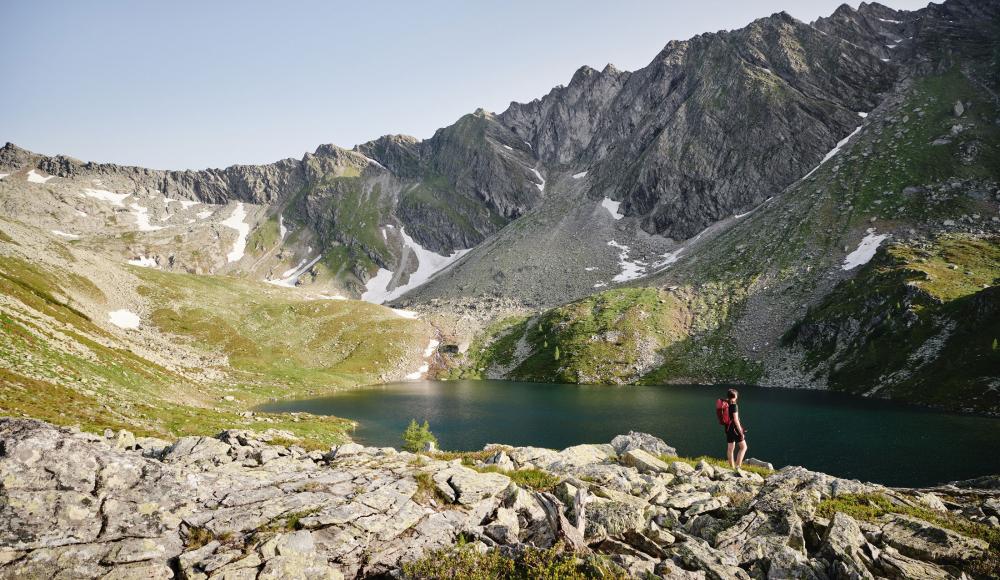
x=696 y=555
x=643 y=461
x=932 y=501
x=581 y=455
x=922 y=540
x=501 y=460
x=681 y=501
x=197 y=451
x=466 y=486
x=758 y=463
x=681 y=468
x=706 y=505
x=845 y=545
x=898 y=567
x=613 y=518
x=504 y=529
x=642 y=441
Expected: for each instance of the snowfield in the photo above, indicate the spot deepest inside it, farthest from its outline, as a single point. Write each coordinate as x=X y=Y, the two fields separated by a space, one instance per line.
x=834 y=151
x=865 y=251
x=291 y=277
x=630 y=269
x=124 y=318
x=143 y=262
x=613 y=207
x=377 y=288
x=115 y=199
x=540 y=186
x=35 y=177
x=142 y=219
x=428 y=264
x=237 y=221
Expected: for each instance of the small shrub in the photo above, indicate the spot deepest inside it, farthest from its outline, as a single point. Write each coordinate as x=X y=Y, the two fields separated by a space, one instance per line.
x=529 y=477
x=427 y=490
x=416 y=436
x=466 y=563
x=197 y=537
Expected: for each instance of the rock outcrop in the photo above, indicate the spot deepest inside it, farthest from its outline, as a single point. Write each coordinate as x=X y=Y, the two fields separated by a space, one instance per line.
x=78 y=505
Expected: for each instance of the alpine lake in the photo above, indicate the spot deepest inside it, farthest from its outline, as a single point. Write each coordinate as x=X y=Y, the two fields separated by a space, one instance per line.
x=847 y=436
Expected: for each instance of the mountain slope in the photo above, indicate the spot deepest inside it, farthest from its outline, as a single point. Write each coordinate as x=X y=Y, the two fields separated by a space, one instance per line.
x=88 y=341
x=775 y=296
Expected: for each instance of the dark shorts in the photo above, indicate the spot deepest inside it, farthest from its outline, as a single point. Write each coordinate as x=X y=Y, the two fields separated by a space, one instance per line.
x=733 y=434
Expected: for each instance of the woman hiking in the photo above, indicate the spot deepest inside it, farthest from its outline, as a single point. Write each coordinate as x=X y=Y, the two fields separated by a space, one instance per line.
x=729 y=416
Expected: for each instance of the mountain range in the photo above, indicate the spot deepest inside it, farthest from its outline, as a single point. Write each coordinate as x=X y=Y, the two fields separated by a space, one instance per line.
x=786 y=204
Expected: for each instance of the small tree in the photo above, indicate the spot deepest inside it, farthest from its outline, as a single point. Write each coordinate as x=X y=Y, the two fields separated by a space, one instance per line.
x=557 y=352
x=994 y=344
x=417 y=436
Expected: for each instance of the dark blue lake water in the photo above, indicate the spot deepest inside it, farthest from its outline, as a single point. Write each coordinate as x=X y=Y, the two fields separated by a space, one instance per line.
x=871 y=440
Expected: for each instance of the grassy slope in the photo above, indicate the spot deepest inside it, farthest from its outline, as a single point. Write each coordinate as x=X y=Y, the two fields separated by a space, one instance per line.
x=58 y=365
x=918 y=322
x=781 y=253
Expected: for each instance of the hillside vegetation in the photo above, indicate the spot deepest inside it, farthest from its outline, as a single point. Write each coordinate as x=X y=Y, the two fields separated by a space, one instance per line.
x=208 y=349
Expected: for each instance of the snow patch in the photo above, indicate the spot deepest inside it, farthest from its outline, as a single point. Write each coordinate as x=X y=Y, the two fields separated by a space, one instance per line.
x=205 y=214
x=863 y=115
x=580 y=175
x=630 y=269
x=142 y=219
x=115 y=199
x=65 y=234
x=405 y=313
x=590 y=268
x=740 y=215
x=540 y=186
x=237 y=221
x=865 y=251
x=833 y=151
x=143 y=262
x=613 y=207
x=124 y=319
x=428 y=264
x=282 y=230
x=891 y=21
x=377 y=288
x=431 y=347
x=35 y=177
x=417 y=374
x=185 y=203
x=291 y=277
x=508 y=147
x=370 y=160
x=2 y=175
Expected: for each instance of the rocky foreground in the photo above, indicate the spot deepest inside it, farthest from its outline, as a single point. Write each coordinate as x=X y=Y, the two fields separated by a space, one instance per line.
x=78 y=505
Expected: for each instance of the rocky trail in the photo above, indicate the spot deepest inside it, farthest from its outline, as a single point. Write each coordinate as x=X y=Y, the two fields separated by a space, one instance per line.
x=252 y=505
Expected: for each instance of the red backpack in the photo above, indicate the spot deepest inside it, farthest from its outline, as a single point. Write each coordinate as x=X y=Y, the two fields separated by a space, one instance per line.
x=722 y=411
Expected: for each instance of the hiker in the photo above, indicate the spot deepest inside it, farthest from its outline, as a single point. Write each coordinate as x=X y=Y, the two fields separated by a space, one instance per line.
x=729 y=417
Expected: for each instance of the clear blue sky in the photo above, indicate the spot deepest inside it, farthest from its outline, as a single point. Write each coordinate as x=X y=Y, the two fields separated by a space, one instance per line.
x=192 y=84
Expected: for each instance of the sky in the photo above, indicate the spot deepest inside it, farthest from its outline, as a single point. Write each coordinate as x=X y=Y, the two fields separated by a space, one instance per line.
x=194 y=84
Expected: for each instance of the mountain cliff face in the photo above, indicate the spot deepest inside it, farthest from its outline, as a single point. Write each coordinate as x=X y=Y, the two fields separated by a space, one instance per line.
x=780 y=295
